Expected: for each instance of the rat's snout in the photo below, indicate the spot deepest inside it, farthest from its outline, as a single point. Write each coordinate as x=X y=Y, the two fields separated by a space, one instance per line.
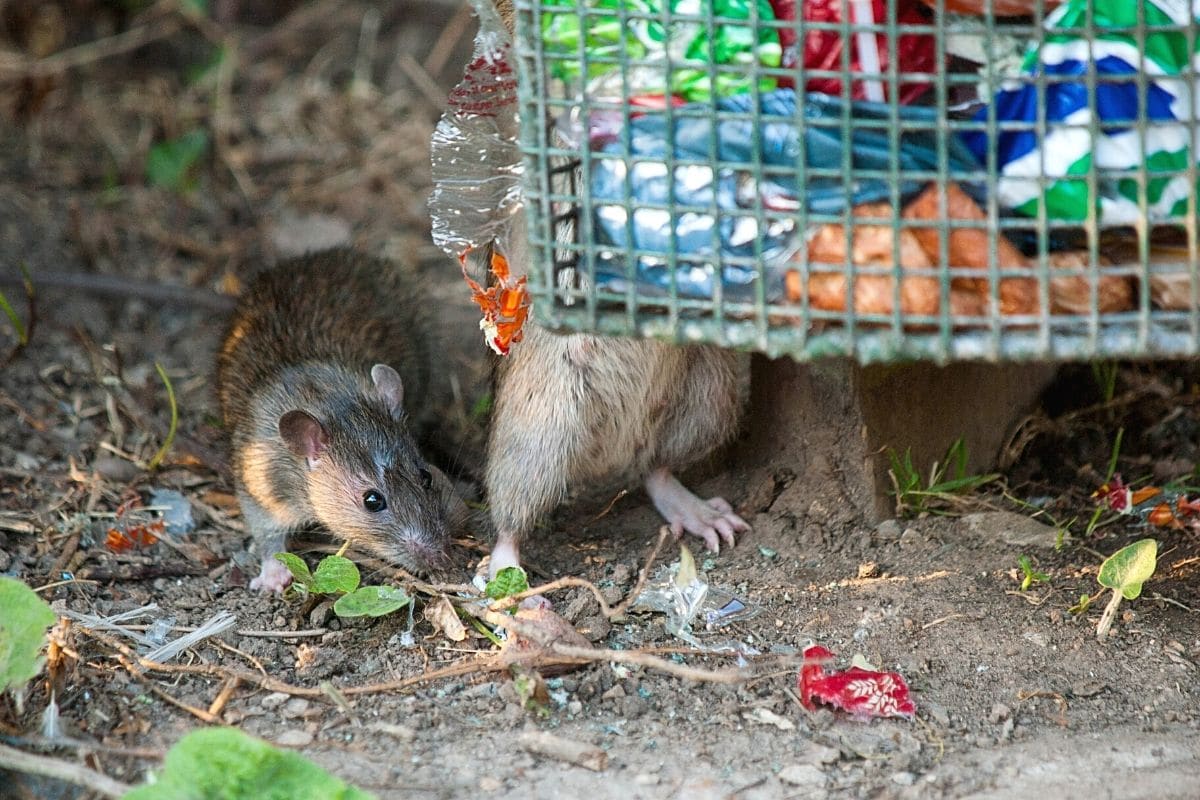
x=429 y=556
x=423 y=545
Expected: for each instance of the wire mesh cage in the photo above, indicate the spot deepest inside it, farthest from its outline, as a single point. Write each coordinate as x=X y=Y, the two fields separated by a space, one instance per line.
x=884 y=179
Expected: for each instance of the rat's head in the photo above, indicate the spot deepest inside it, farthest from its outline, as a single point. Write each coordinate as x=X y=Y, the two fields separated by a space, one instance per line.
x=367 y=481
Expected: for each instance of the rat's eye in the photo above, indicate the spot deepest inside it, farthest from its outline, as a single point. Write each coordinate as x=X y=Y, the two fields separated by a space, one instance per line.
x=426 y=478
x=373 y=501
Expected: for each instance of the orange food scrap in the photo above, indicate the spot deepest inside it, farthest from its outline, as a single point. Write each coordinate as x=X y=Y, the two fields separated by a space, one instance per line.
x=131 y=529
x=505 y=306
x=1162 y=516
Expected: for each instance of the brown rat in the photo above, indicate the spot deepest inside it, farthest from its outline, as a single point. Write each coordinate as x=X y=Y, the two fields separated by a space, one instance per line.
x=579 y=409
x=323 y=356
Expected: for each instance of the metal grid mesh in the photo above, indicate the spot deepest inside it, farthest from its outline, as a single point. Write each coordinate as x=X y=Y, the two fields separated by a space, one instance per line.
x=624 y=242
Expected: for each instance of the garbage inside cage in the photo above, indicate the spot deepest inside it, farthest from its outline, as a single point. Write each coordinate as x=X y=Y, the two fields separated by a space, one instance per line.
x=914 y=173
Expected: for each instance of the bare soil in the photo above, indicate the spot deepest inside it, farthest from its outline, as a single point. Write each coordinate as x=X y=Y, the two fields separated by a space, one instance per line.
x=1015 y=695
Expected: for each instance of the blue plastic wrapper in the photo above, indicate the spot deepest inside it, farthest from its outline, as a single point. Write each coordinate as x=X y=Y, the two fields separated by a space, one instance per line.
x=1067 y=151
x=701 y=237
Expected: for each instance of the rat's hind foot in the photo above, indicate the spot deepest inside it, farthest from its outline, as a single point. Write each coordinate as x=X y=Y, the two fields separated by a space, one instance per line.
x=506 y=553
x=712 y=520
x=274 y=576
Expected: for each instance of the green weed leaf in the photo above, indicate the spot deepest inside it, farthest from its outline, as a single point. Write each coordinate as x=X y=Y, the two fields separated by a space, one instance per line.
x=226 y=763
x=169 y=165
x=1127 y=569
x=23 y=622
x=335 y=575
x=508 y=581
x=297 y=567
x=371 y=601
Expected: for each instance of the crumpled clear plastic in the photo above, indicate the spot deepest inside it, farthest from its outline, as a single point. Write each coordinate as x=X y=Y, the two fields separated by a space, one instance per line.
x=474 y=153
x=682 y=593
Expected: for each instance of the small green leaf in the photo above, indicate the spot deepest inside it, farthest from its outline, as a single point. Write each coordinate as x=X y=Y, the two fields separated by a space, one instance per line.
x=297 y=567
x=169 y=164
x=23 y=623
x=226 y=763
x=1085 y=602
x=1127 y=569
x=508 y=581
x=371 y=601
x=335 y=575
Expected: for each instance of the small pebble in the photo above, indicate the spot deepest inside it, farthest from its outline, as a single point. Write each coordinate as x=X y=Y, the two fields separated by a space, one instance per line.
x=904 y=778
x=645 y=779
x=999 y=713
x=910 y=538
x=273 y=700
x=489 y=783
x=615 y=693
x=295 y=707
x=820 y=754
x=889 y=529
x=802 y=775
x=294 y=738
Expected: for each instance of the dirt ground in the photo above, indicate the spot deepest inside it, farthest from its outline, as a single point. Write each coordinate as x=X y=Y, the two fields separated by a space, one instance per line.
x=324 y=125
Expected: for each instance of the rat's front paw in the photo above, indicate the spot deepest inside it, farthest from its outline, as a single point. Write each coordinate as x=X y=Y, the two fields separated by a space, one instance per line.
x=712 y=520
x=274 y=577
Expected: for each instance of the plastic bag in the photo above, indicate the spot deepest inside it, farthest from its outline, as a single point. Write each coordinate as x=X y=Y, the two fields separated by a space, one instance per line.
x=1067 y=150
x=684 y=59
x=700 y=237
x=822 y=49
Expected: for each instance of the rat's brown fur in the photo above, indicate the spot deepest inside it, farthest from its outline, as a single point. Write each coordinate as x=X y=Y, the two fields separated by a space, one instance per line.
x=305 y=337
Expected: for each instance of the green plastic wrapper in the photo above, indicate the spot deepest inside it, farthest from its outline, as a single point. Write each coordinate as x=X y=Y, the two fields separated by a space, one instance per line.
x=676 y=58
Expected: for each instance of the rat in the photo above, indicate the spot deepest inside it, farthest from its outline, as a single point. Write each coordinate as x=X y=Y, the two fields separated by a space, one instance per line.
x=576 y=409
x=579 y=409
x=309 y=379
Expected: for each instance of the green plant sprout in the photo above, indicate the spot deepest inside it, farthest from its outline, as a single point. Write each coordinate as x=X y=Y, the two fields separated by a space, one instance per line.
x=171 y=164
x=337 y=575
x=1123 y=573
x=1112 y=458
x=948 y=480
x=154 y=463
x=1105 y=375
x=1031 y=576
x=22 y=331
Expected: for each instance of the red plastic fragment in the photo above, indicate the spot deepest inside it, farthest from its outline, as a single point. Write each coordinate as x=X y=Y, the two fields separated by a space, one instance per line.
x=1121 y=497
x=822 y=49
x=1115 y=494
x=860 y=692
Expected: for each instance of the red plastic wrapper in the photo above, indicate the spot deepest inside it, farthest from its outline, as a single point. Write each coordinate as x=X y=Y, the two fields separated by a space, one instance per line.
x=860 y=692
x=823 y=48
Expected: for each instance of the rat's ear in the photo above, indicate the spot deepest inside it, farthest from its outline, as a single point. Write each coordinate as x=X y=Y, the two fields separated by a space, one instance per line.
x=304 y=435
x=390 y=388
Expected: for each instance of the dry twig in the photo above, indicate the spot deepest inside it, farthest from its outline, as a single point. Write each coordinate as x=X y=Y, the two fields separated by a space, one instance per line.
x=77 y=774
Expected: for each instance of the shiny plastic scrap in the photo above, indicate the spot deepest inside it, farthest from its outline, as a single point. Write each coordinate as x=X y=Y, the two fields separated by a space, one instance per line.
x=1068 y=150
x=650 y=45
x=861 y=692
x=699 y=238
x=474 y=154
x=682 y=593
